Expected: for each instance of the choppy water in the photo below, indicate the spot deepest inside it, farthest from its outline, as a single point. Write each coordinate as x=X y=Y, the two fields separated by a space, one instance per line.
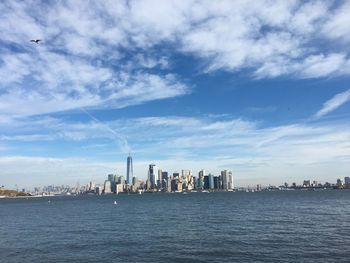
x=293 y=226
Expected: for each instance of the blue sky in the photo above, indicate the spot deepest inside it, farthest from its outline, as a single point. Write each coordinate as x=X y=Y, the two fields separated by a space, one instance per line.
x=257 y=87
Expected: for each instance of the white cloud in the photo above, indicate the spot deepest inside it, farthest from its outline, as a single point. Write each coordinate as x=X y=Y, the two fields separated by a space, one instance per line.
x=334 y=103
x=336 y=27
x=82 y=61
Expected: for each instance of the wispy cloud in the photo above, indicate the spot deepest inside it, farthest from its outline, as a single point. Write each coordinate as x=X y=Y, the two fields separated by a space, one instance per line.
x=176 y=142
x=104 y=54
x=334 y=103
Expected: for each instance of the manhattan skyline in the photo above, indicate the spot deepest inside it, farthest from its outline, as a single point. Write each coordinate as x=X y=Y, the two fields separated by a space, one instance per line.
x=262 y=91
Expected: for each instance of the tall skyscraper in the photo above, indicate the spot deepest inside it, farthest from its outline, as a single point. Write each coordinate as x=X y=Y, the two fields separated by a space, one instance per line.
x=152 y=172
x=227 y=180
x=129 y=170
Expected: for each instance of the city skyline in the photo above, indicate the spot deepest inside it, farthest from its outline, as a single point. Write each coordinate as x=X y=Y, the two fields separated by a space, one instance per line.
x=259 y=89
x=154 y=177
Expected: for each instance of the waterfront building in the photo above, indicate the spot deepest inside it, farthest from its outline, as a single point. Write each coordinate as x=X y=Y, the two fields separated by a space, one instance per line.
x=134 y=181
x=107 y=187
x=111 y=177
x=227 y=180
x=173 y=183
x=339 y=183
x=165 y=181
x=200 y=183
x=306 y=183
x=152 y=171
x=347 y=180
x=179 y=186
x=121 y=180
x=119 y=188
x=129 y=170
x=148 y=184
x=206 y=182
x=211 y=181
x=217 y=182
x=186 y=176
x=98 y=190
x=159 y=179
x=164 y=176
x=92 y=186
x=168 y=184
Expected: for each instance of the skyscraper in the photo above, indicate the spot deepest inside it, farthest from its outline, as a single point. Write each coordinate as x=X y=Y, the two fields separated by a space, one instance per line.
x=227 y=180
x=129 y=170
x=152 y=171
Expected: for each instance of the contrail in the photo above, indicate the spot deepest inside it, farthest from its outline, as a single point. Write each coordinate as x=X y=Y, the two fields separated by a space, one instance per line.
x=122 y=139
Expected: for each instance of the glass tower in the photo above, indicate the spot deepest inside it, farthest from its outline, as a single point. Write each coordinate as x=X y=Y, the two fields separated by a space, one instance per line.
x=129 y=170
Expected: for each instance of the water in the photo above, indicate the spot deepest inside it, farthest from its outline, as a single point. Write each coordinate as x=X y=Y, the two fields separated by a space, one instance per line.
x=289 y=226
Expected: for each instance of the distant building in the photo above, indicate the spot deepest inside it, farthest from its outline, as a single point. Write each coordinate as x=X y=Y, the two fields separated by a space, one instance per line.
x=217 y=182
x=211 y=181
x=107 y=187
x=206 y=182
x=134 y=181
x=347 y=180
x=98 y=190
x=164 y=176
x=339 y=183
x=129 y=170
x=92 y=186
x=179 y=186
x=227 y=180
x=121 y=180
x=306 y=183
x=152 y=171
x=119 y=188
x=159 y=179
x=111 y=177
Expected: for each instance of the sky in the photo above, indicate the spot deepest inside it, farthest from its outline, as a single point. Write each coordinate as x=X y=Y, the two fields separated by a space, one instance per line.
x=257 y=87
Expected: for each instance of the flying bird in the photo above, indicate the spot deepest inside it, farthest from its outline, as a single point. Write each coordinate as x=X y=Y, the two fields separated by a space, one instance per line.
x=35 y=40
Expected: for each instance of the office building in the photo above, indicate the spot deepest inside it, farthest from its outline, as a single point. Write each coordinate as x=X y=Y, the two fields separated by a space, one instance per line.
x=121 y=180
x=111 y=177
x=211 y=181
x=159 y=179
x=217 y=182
x=129 y=170
x=134 y=181
x=107 y=187
x=206 y=182
x=152 y=172
x=119 y=188
x=227 y=180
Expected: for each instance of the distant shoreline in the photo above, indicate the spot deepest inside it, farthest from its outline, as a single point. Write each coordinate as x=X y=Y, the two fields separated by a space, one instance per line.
x=184 y=192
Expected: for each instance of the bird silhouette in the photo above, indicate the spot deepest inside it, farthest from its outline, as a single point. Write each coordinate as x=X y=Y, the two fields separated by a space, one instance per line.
x=35 y=40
